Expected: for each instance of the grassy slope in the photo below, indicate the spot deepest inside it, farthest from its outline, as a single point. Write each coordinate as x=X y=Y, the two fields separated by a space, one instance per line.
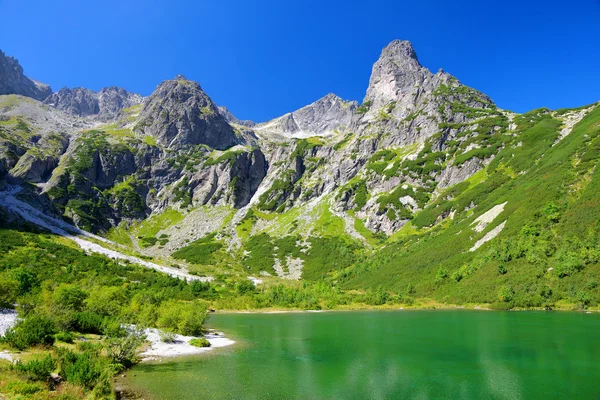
x=563 y=176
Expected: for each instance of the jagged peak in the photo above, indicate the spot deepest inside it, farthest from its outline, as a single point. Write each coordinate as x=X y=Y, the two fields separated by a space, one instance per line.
x=180 y=77
x=400 y=49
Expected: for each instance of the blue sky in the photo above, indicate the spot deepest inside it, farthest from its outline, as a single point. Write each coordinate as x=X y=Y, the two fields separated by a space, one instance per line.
x=264 y=58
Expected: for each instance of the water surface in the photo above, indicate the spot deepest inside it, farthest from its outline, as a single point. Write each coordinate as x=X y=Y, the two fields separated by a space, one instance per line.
x=389 y=355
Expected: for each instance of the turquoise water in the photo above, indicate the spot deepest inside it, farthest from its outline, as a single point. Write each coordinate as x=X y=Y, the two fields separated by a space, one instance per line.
x=389 y=355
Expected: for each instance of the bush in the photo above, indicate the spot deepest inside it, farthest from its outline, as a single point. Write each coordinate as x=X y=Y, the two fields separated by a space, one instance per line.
x=88 y=322
x=122 y=349
x=38 y=369
x=65 y=337
x=9 y=290
x=32 y=331
x=505 y=293
x=441 y=274
x=200 y=342
x=184 y=318
x=79 y=368
x=167 y=337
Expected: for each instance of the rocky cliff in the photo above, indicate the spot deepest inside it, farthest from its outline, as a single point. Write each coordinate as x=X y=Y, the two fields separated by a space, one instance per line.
x=13 y=81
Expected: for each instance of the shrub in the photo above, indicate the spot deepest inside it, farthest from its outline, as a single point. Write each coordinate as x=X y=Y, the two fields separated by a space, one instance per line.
x=34 y=330
x=167 y=337
x=65 y=337
x=184 y=318
x=200 y=342
x=38 y=369
x=122 y=349
x=441 y=274
x=79 y=368
x=69 y=297
x=88 y=322
x=245 y=286
x=505 y=293
x=9 y=290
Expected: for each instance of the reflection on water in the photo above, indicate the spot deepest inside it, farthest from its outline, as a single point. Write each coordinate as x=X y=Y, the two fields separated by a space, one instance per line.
x=390 y=355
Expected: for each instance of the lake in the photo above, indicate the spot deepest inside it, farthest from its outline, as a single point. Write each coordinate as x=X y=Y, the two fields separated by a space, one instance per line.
x=445 y=354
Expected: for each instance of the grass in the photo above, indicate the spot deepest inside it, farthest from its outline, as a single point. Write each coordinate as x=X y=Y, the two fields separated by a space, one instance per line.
x=157 y=222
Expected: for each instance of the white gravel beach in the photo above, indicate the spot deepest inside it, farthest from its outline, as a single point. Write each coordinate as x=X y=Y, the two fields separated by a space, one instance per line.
x=181 y=345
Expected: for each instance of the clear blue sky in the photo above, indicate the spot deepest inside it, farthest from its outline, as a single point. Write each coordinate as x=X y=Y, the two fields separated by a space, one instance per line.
x=264 y=58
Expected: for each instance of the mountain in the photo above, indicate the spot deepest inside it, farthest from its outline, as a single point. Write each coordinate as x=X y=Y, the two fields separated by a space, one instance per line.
x=13 y=81
x=180 y=113
x=426 y=190
x=320 y=118
x=105 y=104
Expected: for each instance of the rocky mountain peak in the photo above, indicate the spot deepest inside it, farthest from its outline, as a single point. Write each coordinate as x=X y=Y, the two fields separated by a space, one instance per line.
x=14 y=81
x=316 y=119
x=400 y=49
x=180 y=113
x=395 y=74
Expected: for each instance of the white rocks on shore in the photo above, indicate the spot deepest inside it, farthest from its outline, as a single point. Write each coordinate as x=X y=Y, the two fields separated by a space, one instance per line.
x=180 y=346
x=8 y=319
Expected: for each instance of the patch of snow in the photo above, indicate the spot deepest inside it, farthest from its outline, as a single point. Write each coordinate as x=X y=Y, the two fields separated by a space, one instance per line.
x=484 y=219
x=488 y=236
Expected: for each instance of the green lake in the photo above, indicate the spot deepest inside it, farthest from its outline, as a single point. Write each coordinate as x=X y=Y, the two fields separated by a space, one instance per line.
x=449 y=354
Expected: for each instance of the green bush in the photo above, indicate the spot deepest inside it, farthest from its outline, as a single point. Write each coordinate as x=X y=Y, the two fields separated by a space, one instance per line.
x=33 y=330
x=505 y=293
x=88 y=322
x=79 y=368
x=184 y=318
x=200 y=342
x=122 y=349
x=9 y=290
x=65 y=337
x=38 y=369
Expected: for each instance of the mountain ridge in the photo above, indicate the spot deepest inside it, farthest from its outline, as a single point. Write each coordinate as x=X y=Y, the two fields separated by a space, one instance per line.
x=323 y=192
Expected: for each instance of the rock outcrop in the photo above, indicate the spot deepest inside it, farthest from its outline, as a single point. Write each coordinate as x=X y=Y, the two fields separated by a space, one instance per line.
x=105 y=104
x=179 y=113
x=14 y=81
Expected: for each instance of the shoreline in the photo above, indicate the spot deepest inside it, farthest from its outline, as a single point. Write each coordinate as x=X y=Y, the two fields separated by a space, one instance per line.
x=180 y=346
x=432 y=307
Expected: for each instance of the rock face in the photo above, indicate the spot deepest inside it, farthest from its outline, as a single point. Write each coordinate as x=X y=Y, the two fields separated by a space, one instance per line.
x=396 y=76
x=320 y=118
x=105 y=104
x=13 y=81
x=229 y=117
x=179 y=113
